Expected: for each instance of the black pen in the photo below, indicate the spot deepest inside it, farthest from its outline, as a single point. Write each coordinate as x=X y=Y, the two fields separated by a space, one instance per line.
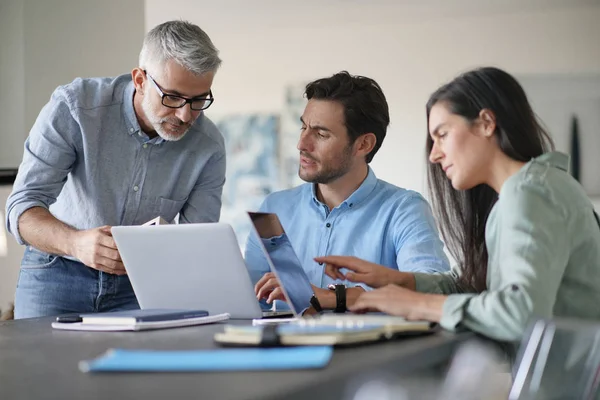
x=69 y=319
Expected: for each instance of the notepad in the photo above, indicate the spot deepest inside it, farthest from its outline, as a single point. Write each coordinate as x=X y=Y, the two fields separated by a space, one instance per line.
x=140 y=323
x=131 y=317
x=273 y=359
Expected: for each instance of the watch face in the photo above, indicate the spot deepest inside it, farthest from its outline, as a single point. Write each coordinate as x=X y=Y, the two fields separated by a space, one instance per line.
x=332 y=286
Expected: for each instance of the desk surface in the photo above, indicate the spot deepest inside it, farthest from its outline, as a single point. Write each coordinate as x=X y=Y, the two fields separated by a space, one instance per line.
x=37 y=362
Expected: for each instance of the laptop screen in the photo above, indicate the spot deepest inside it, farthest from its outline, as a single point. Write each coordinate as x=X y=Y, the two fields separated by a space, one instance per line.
x=283 y=260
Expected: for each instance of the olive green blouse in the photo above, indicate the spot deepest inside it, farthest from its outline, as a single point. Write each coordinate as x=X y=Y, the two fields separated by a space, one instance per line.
x=543 y=244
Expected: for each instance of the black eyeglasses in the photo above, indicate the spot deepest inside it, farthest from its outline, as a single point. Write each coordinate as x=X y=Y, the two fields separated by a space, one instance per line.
x=173 y=101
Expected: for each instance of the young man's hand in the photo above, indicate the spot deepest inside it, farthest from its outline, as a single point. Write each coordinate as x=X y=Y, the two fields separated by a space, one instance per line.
x=268 y=288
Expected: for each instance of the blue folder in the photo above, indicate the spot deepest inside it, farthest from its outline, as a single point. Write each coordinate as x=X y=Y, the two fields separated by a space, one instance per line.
x=120 y=360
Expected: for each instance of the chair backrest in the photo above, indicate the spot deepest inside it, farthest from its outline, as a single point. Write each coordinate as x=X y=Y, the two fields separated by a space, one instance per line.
x=558 y=359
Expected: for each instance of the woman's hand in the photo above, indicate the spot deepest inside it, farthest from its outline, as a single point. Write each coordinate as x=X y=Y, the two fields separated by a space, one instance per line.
x=362 y=271
x=394 y=300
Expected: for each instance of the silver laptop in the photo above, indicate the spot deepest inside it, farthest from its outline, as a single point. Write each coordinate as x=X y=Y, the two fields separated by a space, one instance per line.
x=294 y=282
x=188 y=266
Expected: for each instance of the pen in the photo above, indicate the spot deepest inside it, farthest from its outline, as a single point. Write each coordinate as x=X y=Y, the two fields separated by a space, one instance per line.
x=69 y=319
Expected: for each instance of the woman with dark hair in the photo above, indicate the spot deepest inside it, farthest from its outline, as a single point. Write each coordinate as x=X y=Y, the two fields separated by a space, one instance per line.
x=522 y=230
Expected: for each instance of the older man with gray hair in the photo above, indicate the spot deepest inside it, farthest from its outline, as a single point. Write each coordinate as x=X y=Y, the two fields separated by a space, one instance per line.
x=115 y=151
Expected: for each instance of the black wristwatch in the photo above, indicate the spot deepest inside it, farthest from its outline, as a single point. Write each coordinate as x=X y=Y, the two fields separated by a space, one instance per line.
x=340 y=297
x=314 y=302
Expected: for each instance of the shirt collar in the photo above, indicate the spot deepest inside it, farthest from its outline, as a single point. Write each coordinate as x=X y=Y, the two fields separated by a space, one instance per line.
x=133 y=126
x=360 y=194
x=554 y=159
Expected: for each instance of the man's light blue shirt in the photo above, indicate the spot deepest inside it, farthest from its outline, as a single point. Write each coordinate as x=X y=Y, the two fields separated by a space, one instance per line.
x=379 y=222
x=87 y=161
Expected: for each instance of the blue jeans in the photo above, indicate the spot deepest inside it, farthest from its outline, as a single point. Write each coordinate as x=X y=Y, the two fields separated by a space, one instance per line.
x=51 y=285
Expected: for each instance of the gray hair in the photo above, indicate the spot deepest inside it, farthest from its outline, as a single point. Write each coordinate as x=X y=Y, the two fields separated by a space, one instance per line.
x=183 y=42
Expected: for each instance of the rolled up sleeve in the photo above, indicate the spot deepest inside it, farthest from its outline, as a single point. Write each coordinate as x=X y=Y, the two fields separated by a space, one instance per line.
x=48 y=157
x=438 y=283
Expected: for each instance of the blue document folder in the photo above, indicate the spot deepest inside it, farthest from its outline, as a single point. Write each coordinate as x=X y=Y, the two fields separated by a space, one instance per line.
x=120 y=360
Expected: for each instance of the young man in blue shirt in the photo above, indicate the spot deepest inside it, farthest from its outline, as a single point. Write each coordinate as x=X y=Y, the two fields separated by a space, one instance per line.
x=343 y=208
x=115 y=151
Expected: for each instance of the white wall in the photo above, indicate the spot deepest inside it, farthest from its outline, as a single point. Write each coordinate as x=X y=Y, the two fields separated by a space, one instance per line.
x=12 y=83
x=66 y=39
x=410 y=50
x=9 y=262
x=45 y=44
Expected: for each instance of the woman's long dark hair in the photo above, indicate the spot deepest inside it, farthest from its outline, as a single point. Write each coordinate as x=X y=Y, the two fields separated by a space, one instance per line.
x=462 y=214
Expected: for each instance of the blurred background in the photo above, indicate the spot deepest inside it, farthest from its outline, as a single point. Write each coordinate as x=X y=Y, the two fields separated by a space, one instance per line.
x=271 y=48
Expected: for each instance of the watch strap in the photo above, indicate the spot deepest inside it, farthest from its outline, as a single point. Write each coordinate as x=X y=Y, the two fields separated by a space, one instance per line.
x=314 y=302
x=340 y=299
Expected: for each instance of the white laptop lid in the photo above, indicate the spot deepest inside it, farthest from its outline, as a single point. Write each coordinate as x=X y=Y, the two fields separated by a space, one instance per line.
x=187 y=266
x=282 y=260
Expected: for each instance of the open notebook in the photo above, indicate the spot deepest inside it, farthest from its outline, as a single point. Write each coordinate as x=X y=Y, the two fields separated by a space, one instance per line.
x=311 y=334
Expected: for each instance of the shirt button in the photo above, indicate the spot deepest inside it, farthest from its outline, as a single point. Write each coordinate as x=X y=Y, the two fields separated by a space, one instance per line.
x=136 y=188
x=328 y=225
x=131 y=130
x=320 y=263
x=350 y=205
x=145 y=145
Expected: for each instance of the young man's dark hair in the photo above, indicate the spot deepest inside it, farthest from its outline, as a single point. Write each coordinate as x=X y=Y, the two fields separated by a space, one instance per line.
x=365 y=107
